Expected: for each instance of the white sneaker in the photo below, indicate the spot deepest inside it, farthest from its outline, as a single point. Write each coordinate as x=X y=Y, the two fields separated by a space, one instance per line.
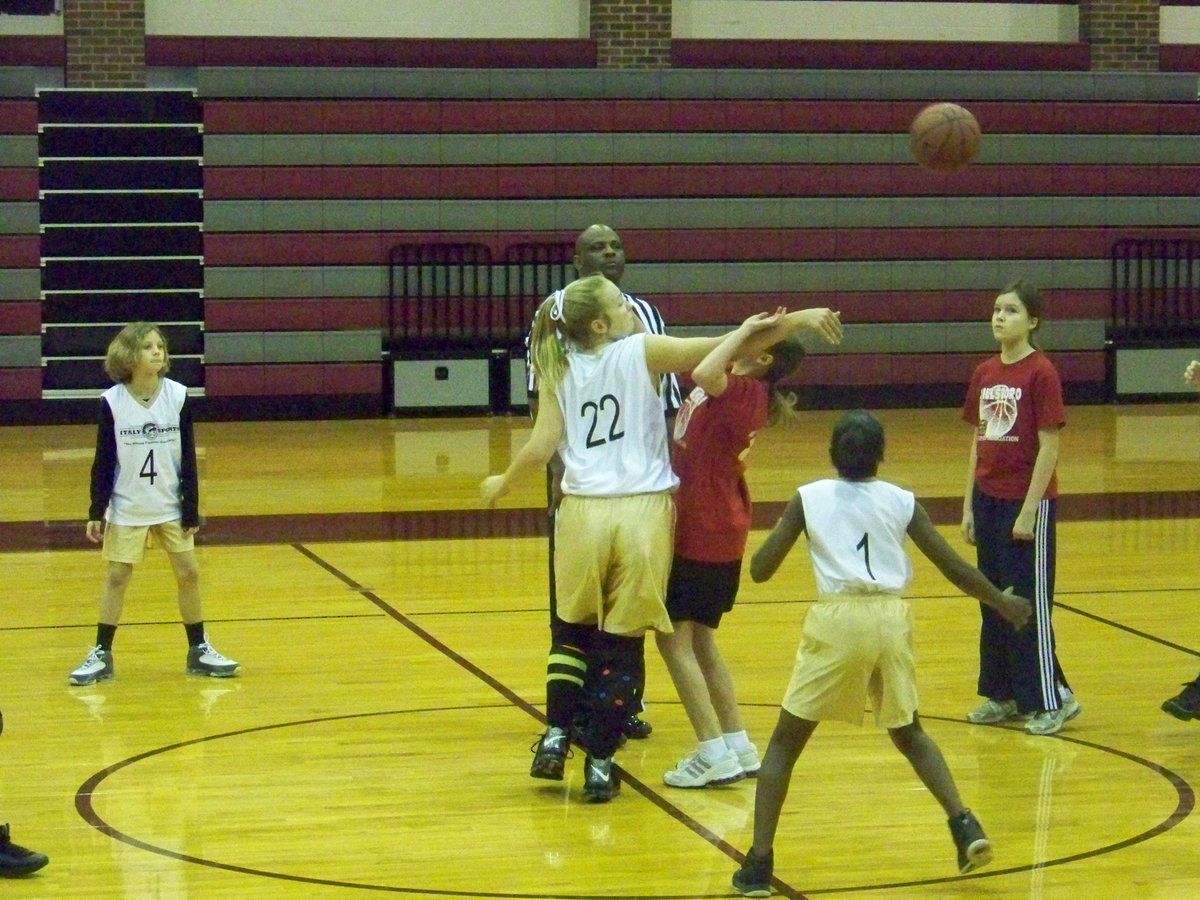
x=1051 y=721
x=1071 y=706
x=694 y=771
x=748 y=759
x=97 y=666
x=1048 y=721
x=203 y=659
x=992 y=711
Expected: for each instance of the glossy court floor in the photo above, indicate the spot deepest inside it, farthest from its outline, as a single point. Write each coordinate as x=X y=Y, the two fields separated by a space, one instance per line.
x=392 y=636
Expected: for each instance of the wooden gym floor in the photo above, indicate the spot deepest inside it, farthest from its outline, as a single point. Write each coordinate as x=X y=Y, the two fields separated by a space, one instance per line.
x=393 y=636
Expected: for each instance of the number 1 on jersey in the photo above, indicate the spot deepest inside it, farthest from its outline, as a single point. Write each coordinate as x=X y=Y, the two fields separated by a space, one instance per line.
x=865 y=546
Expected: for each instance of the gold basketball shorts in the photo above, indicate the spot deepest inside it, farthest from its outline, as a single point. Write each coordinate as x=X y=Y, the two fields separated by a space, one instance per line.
x=128 y=543
x=612 y=558
x=855 y=649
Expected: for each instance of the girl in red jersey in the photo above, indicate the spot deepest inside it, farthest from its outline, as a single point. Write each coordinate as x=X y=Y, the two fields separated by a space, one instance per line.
x=735 y=397
x=1015 y=403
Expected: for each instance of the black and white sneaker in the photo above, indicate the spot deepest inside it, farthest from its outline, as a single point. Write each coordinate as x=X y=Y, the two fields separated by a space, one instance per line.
x=96 y=666
x=549 y=753
x=974 y=849
x=636 y=727
x=203 y=659
x=600 y=781
x=753 y=879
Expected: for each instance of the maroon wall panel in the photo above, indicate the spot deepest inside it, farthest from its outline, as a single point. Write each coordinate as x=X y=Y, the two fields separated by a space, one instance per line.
x=20 y=384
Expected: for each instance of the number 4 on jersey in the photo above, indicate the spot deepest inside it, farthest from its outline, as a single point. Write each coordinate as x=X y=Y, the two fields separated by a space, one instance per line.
x=148 y=470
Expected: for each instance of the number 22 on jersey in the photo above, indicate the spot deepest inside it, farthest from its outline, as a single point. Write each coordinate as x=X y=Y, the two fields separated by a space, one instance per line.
x=607 y=411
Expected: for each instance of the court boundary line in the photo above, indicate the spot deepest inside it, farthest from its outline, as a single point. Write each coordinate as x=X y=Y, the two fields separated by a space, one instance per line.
x=1185 y=796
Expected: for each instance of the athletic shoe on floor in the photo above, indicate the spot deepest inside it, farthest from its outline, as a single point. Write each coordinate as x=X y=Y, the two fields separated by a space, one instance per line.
x=636 y=728
x=992 y=711
x=1071 y=706
x=1051 y=721
x=753 y=879
x=749 y=761
x=1048 y=721
x=16 y=860
x=1186 y=704
x=600 y=781
x=549 y=753
x=203 y=659
x=97 y=666
x=695 y=771
x=974 y=849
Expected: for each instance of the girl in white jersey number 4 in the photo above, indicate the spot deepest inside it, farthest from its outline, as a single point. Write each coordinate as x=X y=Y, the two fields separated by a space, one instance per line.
x=144 y=486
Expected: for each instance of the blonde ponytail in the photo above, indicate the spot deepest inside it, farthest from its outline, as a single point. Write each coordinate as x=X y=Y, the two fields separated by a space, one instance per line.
x=546 y=350
x=564 y=320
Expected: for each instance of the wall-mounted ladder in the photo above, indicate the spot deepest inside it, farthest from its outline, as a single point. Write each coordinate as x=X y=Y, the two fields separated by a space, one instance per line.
x=120 y=192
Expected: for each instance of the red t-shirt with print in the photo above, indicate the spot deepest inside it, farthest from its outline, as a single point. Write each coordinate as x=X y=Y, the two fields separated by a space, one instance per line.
x=712 y=437
x=1009 y=403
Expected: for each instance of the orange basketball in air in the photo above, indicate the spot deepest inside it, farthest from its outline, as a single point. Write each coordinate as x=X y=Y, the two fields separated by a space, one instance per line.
x=944 y=137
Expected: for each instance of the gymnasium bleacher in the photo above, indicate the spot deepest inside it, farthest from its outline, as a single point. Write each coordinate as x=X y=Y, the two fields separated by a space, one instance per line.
x=734 y=189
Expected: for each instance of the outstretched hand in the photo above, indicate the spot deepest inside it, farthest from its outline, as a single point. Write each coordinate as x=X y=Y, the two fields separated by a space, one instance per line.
x=824 y=321
x=762 y=321
x=1015 y=609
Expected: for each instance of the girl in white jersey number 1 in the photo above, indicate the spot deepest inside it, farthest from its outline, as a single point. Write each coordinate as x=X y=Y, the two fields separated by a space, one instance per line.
x=615 y=526
x=857 y=641
x=144 y=485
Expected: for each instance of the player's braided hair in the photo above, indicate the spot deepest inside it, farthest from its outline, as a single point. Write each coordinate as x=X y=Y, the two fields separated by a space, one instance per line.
x=785 y=358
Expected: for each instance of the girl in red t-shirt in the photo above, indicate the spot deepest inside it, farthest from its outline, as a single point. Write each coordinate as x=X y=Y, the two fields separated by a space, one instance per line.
x=1015 y=404
x=735 y=398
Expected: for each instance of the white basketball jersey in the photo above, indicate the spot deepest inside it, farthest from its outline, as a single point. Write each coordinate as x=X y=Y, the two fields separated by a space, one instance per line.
x=149 y=455
x=615 y=439
x=651 y=321
x=856 y=532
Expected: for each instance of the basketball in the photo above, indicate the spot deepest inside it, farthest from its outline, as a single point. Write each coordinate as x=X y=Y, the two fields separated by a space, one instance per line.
x=944 y=137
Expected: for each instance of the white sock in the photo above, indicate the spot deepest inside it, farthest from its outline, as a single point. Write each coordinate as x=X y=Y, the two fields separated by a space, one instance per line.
x=737 y=740
x=713 y=750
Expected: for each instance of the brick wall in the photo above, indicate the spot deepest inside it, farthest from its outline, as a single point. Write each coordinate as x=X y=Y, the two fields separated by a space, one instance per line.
x=632 y=34
x=1122 y=34
x=106 y=43
x=105 y=39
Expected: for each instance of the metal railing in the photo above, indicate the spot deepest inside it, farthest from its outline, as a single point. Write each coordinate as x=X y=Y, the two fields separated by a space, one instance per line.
x=1155 y=290
x=456 y=296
